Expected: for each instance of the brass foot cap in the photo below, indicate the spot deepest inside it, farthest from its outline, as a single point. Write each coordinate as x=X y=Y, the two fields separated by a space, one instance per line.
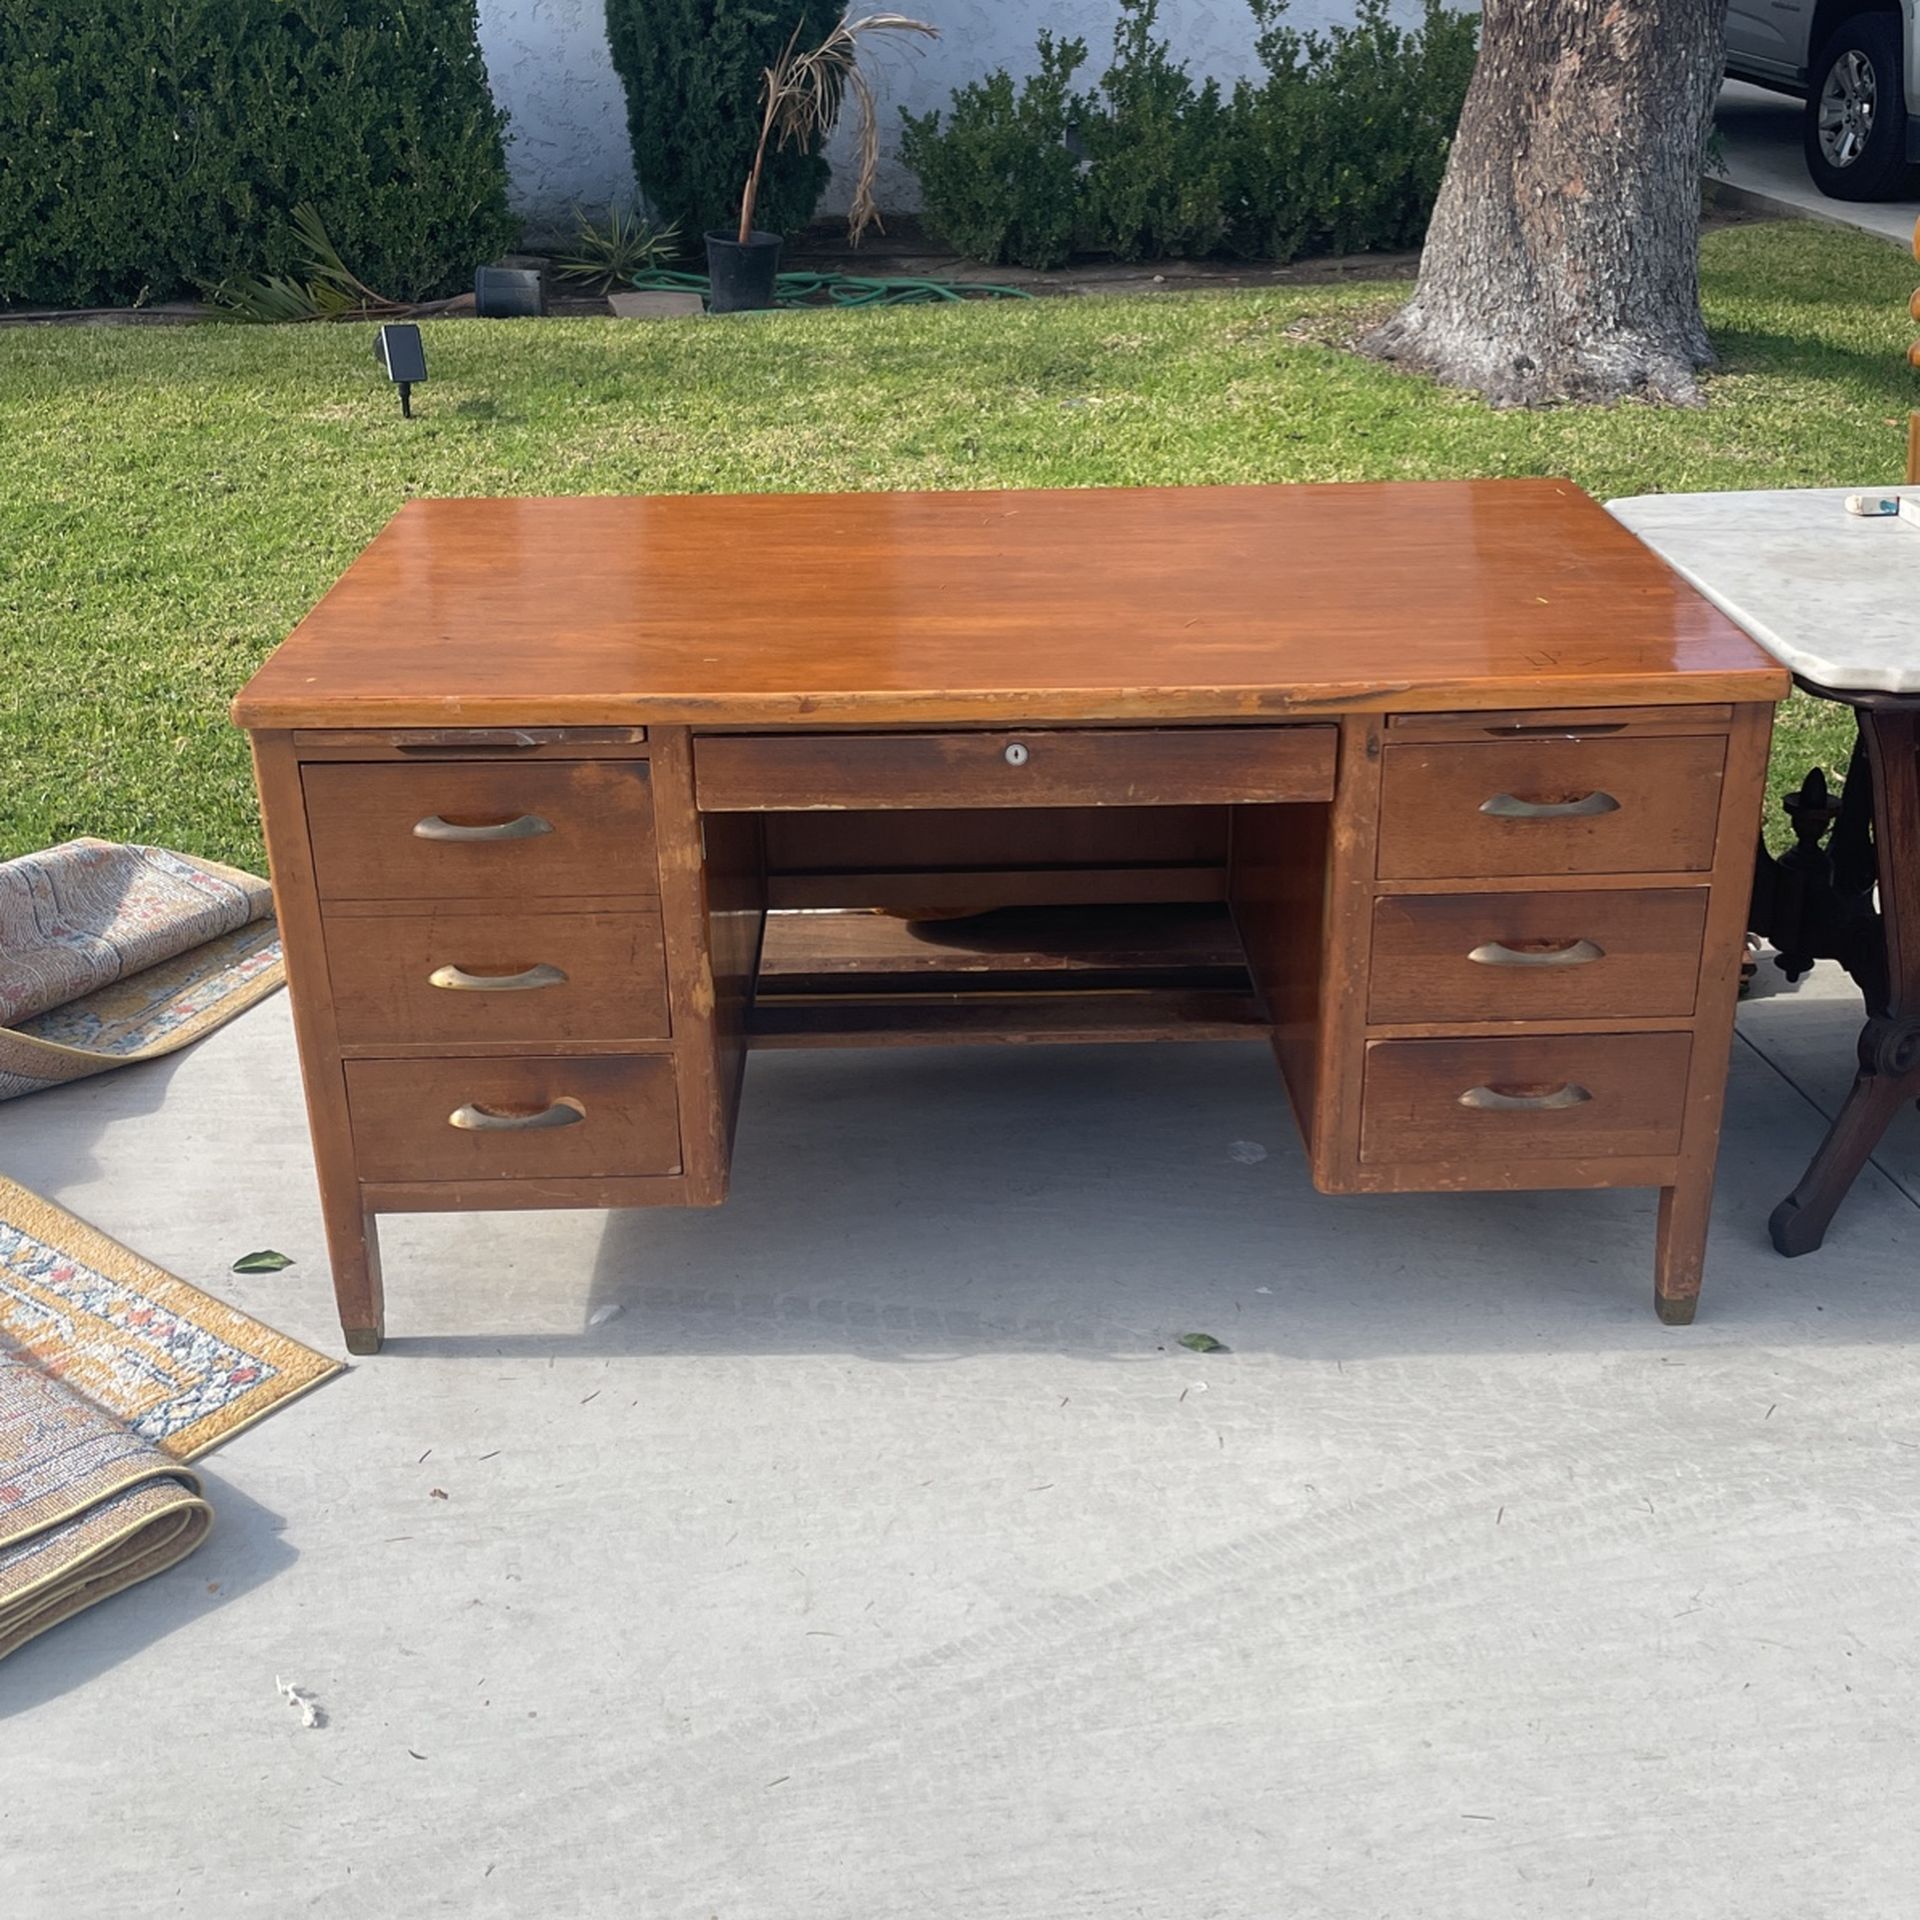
x=362 y=1339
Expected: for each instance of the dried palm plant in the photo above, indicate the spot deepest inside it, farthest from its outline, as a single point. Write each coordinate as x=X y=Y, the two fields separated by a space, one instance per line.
x=802 y=94
x=332 y=290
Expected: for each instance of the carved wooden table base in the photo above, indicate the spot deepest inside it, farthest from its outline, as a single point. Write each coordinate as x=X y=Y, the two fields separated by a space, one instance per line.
x=1819 y=907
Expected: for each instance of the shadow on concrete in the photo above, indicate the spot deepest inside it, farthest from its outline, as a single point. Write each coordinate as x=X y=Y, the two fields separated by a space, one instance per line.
x=51 y=1137
x=926 y=1207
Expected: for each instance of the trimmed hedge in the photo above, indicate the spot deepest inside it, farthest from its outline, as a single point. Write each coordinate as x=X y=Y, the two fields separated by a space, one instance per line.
x=1338 y=145
x=149 y=148
x=691 y=69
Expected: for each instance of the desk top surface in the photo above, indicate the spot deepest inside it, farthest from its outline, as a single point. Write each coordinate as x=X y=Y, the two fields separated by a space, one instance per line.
x=1831 y=595
x=1182 y=603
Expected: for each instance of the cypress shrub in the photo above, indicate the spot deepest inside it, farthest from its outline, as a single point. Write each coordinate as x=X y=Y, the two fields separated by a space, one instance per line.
x=149 y=148
x=692 y=71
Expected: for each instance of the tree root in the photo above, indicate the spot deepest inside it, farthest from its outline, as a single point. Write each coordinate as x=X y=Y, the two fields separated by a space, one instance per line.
x=1507 y=368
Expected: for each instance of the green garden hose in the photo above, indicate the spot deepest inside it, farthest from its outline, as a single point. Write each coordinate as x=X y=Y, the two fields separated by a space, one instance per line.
x=840 y=289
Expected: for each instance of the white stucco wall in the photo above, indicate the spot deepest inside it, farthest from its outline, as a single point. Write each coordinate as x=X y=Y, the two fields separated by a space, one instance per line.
x=568 y=132
x=567 y=115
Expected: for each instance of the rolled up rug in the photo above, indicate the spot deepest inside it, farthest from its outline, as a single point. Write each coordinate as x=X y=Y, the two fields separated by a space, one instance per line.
x=87 y=1507
x=113 y=1374
x=112 y=954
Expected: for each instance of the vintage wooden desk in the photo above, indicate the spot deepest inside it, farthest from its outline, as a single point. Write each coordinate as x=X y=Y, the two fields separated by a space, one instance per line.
x=1450 y=791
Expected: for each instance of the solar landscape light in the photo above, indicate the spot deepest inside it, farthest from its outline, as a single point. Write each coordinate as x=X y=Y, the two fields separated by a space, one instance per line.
x=400 y=352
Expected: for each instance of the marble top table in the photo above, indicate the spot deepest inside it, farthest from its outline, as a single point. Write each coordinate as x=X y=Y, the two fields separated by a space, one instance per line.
x=1836 y=597
x=1831 y=595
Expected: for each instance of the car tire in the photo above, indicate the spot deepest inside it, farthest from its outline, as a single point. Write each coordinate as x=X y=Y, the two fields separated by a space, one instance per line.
x=1856 y=125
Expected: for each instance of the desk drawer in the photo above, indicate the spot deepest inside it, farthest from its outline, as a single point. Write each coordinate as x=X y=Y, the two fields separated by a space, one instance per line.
x=1083 y=767
x=1509 y=807
x=1589 y=955
x=523 y=1118
x=1558 y=1097
x=531 y=978
x=481 y=829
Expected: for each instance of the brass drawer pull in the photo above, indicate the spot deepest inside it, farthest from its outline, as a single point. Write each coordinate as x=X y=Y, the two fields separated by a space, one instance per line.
x=1569 y=953
x=477 y=1119
x=529 y=826
x=1509 y=806
x=1525 y=1099
x=527 y=980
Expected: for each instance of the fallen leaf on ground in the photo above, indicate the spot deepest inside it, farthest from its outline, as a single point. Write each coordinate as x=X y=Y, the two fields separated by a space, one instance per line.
x=1202 y=1343
x=265 y=1261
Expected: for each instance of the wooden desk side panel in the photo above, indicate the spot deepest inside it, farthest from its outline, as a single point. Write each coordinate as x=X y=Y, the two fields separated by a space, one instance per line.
x=352 y=1241
x=713 y=909
x=1352 y=852
x=1277 y=894
x=1301 y=891
x=1685 y=1205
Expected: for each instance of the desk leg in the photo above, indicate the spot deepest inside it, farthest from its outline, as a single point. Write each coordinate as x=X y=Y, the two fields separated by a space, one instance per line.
x=1890 y=1041
x=353 y=1245
x=1680 y=1249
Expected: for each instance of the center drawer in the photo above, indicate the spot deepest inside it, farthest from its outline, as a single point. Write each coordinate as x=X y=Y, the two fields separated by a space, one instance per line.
x=454 y=829
x=448 y=976
x=1079 y=767
x=521 y=1118
x=1592 y=954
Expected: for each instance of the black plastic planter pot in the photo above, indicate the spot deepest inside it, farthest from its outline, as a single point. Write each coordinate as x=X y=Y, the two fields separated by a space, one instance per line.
x=508 y=293
x=741 y=277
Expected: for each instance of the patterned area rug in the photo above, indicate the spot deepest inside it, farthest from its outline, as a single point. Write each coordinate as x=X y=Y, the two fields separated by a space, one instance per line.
x=113 y=1373
x=112 y=954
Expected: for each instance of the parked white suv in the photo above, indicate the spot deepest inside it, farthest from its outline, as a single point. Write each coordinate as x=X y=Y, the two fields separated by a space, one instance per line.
x=1857 y=66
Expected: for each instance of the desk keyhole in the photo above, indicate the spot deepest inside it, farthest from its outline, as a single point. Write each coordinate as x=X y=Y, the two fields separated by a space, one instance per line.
x=1016 y=754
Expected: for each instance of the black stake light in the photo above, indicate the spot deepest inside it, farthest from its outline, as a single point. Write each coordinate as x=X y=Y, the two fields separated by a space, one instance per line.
x=399 y=350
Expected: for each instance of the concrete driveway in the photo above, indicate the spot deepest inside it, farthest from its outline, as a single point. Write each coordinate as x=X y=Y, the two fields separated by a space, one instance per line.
x=884 y=1554
x=1760 y=156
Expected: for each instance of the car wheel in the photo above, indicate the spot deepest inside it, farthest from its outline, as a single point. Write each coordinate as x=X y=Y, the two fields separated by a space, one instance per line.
x=1856 y=124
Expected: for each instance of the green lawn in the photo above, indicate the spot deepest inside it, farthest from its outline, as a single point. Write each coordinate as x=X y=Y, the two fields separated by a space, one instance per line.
x=173 y=499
